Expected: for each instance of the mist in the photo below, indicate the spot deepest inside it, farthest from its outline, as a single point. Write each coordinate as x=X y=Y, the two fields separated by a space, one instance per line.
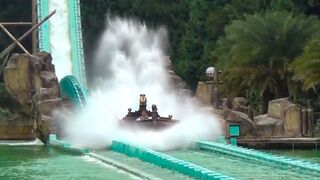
x=129 y=61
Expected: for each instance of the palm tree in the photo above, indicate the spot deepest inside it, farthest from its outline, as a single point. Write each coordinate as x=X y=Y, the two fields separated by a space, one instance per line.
x=257 y=52
x=307 y=66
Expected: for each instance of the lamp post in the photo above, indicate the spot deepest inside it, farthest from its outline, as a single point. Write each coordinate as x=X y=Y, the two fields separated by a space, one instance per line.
x=212 y=74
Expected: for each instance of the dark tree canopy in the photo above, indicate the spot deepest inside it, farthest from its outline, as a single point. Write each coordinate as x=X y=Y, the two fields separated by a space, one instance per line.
x=15 y=11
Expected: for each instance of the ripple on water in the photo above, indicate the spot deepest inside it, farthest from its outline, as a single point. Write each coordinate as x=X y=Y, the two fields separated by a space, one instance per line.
x=40 y=162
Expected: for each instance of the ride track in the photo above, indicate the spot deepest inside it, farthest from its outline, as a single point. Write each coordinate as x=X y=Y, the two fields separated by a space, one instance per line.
x=210 y=160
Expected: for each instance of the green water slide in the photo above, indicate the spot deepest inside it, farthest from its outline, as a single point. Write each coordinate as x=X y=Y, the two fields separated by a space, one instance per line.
x=78 y=65
x=70 y=88
x=75 y=34
x=43 y=31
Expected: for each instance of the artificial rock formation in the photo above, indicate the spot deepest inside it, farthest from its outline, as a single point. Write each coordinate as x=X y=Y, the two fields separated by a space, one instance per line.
x=31 y=80
x=176 y=82
x=17 y=80
x=204 y=93
x=247 y=126
x=282 y=120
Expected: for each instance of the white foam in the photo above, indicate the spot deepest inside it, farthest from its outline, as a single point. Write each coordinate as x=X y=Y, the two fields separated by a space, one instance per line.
x=60 y=38
x=108 y=166
x=130 y=61
x=35 y=142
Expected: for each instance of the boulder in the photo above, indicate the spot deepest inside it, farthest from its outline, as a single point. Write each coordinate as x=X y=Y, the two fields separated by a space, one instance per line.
x=238 y=103
x=175 y=81
x=17 y=78
x=284 y=119
x=292 y=121
x=268 y=126
x=31 y=80
x=47 y=106
x=276 y=107
x=247 y=126
x=204 y=93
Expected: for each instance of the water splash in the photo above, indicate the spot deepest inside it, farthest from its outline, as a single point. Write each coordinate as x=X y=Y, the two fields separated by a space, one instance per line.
x=130 y=61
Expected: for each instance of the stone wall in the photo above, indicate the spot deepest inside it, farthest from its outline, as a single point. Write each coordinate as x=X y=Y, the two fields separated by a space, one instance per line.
x=18 y=129
x=292 y=121
x=284 y=119
x=204 y=93
x=31 y=80
x=17 y=80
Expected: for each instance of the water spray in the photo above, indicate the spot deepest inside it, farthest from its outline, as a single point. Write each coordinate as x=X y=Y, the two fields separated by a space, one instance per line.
x=129 y=61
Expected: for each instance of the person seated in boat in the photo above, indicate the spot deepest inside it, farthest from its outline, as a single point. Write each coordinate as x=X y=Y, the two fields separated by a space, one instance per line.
x=144 y=113
x=142 y=103
x=154 y=114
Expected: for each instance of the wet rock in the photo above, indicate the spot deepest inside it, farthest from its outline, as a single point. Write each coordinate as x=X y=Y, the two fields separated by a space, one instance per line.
x=175 y=81
x=268 y=126
x=18 y=80
x=284 y=119
x=247 y=126
x=238 y=103
x=292 y=121
x=31 y=80
x=204 y=93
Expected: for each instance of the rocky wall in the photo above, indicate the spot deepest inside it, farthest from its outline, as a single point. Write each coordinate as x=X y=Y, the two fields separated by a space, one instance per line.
x=31 y=80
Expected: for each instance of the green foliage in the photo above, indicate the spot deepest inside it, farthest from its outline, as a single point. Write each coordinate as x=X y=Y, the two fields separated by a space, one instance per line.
x=167 y=13
x=4 y=113
x=197 y=43
x=207 y=20
x=15 y=11
x=308 y=7
x=194 y=26
x=297 y=6
x=256 y=52
x=307 y=66
x=254 y=99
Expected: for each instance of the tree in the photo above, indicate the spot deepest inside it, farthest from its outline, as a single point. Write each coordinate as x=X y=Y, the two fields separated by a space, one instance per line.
x=8 y=13
x=196 y=45
x=307 y=66
x=193 y=26
x=256 y=52
x=167 y=13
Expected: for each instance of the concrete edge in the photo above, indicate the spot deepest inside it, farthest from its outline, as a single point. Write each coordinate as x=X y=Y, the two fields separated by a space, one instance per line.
x=65 y=146
x=167 y=162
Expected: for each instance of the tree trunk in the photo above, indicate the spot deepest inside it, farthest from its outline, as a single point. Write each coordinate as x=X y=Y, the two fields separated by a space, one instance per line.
x=266 y=97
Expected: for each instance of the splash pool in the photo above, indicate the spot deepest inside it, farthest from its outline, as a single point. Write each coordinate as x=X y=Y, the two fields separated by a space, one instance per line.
x=41 y=162
x=238 y=168
x=28 y=161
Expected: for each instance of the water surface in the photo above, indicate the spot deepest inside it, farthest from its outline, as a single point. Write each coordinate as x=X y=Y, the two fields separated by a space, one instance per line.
x=40 y=162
